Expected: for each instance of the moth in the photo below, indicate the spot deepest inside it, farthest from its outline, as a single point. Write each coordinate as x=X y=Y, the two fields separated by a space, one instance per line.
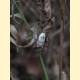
x=41 y=40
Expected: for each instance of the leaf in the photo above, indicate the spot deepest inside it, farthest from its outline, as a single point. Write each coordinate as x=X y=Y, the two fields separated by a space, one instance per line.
x=18 y=5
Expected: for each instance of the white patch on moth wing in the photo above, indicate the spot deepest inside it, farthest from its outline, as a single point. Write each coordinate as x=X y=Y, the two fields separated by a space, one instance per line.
x=41 y=43
x=41 y=40
x=42 y=37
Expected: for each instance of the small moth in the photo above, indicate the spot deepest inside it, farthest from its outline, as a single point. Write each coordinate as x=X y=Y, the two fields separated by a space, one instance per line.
x=41 y=40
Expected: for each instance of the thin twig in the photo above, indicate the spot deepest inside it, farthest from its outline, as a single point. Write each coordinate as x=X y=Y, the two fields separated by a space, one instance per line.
x=43 y=66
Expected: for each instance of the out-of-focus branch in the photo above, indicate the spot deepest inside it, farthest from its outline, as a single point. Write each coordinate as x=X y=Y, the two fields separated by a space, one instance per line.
x=55 y=33
x=61 y=2
x=65 y=45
